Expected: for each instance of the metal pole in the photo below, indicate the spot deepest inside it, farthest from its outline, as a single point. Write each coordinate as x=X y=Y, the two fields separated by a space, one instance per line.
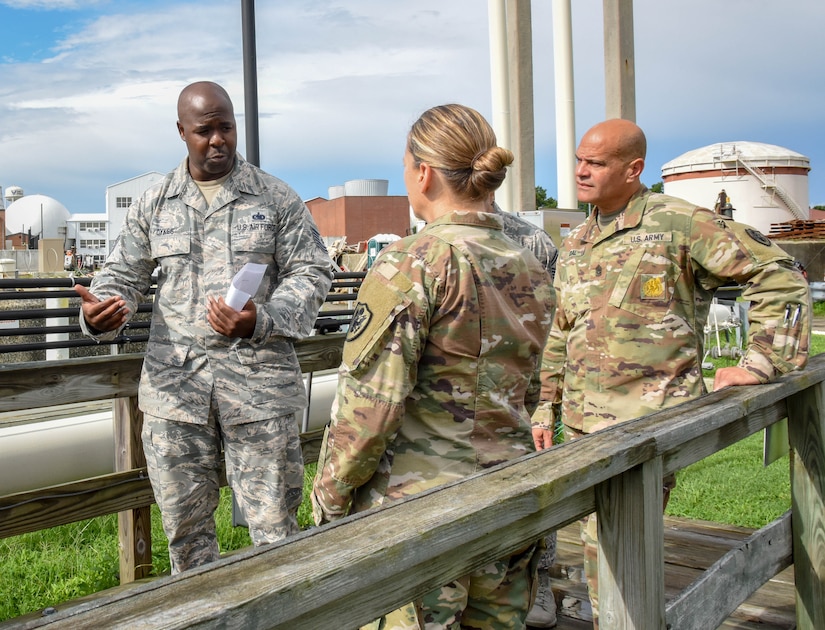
x=250 y=80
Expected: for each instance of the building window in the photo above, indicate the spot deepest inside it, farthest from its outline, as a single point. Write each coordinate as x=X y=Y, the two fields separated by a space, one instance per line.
x=123 y=202
x=92 y=226
x=91 y=243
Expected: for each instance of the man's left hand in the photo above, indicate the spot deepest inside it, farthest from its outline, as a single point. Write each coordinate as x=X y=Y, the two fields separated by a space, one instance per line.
x=729 y=376
x=542 y=438
x=229 y=322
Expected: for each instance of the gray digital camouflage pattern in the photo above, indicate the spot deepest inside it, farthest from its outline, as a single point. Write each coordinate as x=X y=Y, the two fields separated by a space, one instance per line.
x=438 y=380
x=200 y=389
x=256 y=218
x=530 y=237
x=264 y=467
x=633 y=300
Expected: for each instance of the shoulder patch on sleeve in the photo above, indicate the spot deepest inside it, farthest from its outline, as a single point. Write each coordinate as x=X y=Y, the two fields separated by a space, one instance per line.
x=379 y=302
x=758 y=237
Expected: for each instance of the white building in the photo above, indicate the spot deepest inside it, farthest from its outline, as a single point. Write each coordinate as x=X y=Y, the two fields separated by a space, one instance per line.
x=93 y=234
x=765 y=183
x=121 y=195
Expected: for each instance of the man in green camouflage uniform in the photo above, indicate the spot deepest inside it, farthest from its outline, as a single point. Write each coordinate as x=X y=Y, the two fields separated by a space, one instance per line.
x=543 y=611
x=213 y=376
x=425 y=398
x=634 y=286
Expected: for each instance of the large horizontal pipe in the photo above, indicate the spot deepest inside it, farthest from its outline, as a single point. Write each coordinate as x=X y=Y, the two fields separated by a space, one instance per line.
x=50 y=452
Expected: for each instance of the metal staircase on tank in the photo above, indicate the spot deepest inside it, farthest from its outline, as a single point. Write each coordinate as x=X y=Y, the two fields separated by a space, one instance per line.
x=769 y=186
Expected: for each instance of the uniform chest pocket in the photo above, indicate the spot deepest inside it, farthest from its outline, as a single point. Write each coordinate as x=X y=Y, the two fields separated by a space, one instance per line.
x=254 y=238
x=164 y=245
x=646 y=285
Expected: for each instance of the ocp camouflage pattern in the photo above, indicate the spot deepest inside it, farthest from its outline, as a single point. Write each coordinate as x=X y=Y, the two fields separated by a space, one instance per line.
x=440 y=366
x=633 y=300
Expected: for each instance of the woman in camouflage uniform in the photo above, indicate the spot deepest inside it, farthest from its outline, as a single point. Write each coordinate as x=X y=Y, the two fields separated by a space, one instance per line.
x=440 y=369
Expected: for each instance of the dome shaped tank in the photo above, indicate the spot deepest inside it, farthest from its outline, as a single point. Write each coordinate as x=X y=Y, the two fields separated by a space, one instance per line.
x=763 y=183
x=26 y=213
x=366 y=187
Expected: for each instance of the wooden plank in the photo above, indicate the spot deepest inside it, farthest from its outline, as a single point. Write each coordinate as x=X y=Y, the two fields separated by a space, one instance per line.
x=806 y=432
x=25 y=386
x=631 y=538
x=119 y=492
x=336 y=576
x=134 y=525
x=32 y=511
x=739 y=573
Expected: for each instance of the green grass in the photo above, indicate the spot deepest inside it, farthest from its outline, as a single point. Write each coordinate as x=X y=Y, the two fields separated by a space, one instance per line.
x=52 y=566
x=55 y=565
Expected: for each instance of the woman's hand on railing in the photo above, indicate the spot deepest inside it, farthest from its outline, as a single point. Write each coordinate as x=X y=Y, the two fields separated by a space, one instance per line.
x=105 y=315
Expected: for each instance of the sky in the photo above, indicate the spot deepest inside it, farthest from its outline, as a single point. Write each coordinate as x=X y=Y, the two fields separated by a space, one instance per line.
x=88 y=88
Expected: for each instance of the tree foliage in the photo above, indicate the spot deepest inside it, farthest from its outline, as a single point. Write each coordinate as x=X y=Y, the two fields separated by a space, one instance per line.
x=543 y=201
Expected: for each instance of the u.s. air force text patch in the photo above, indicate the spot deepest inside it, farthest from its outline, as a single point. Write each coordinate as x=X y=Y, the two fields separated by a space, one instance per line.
x=360 y=320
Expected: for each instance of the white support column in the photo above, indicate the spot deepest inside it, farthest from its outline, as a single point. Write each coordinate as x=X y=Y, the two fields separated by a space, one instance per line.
x=619 y=60
x=500 y=82
x=522 y=126
x=565 y=105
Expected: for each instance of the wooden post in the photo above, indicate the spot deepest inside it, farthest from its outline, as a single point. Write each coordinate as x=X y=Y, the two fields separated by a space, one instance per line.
x=619 y=60
x=631 y=549
x=806 y=432
x=134 y=526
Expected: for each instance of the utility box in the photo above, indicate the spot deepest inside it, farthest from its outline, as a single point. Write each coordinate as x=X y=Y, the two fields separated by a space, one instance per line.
x=376 y=244
x=557 y=223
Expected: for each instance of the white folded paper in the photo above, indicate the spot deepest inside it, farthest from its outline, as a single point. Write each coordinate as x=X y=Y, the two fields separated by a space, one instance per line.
x=245 y=284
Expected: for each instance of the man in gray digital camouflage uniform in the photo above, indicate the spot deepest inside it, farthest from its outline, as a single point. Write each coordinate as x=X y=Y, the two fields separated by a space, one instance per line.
x=542 y=613
x=634 y=286
x=212 y=376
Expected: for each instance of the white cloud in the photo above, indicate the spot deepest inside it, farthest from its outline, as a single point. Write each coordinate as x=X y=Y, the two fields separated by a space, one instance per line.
x=339 y=84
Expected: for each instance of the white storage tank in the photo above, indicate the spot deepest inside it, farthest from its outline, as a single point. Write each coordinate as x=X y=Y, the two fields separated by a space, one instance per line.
x=335 y=191
x=765 y=183
x=366 y=187
x=28 y=212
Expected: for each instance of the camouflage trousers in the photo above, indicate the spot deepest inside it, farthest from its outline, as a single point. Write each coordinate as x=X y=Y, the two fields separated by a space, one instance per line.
x=494 y=597
x=590 y=537
x=264 y=467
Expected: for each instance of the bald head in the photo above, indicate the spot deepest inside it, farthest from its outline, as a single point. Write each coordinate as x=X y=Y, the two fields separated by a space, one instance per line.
x=206 y=123
x=622 y=138
x=610 y=160
x=196 y=93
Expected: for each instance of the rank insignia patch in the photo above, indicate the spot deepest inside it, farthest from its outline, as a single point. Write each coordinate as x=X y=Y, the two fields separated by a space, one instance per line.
x=653 y=286
x=360 y=319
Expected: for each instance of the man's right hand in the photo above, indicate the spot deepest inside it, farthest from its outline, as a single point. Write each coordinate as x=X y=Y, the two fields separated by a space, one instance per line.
x=102 y=316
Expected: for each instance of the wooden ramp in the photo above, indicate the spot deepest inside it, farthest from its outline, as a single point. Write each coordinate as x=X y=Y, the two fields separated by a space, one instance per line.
x=690 y=547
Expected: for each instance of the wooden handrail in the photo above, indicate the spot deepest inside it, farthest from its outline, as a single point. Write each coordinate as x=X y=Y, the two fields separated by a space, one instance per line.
x=336 y=576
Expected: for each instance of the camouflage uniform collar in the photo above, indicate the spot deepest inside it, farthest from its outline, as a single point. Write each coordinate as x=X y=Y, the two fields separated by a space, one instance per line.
x=465 y=217
x=629 y=218
x=244 y=176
